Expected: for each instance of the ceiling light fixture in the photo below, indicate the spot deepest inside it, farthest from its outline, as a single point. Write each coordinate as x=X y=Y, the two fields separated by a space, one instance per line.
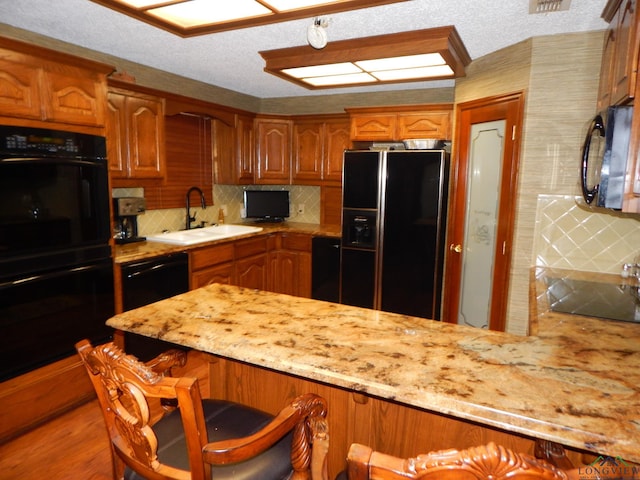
x=431 y=54
x=188 y=18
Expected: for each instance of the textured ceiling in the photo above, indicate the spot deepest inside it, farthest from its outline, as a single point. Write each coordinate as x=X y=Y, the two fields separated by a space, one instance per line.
x=231 y=60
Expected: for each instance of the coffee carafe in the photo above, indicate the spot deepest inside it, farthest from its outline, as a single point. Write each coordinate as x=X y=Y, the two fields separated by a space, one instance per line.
x=126 y=211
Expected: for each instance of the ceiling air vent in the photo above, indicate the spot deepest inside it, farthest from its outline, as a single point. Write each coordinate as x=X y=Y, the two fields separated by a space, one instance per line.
x=546 y=6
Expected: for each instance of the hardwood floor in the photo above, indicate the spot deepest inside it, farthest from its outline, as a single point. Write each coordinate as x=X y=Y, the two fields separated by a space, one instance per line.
x=72 y=446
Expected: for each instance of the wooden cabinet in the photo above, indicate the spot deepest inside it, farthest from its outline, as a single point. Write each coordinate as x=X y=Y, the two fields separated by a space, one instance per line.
x=401 y=123
x=318 y=146
x=245 y=150
x=331 y=205
x=273 y=151
x=251 y=263
x=233 y=151
x=619 y=83
x=135 y=132
x=39 y=84
x=212 y=265
x=373 y=126
x=387 y=426
x=620 y=54
x=290 y=264
x=308 y=139
x=224 y=152
x=631 y=199
x=242 y=263
x=277 y=262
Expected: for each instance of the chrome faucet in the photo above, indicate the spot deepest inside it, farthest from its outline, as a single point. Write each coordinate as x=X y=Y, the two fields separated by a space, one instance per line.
x=202 y=201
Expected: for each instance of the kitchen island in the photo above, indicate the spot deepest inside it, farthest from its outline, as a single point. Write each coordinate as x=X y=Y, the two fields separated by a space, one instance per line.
x=576 y=382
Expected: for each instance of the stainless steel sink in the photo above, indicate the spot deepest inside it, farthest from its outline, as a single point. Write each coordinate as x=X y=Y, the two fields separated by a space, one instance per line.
x=201 y=235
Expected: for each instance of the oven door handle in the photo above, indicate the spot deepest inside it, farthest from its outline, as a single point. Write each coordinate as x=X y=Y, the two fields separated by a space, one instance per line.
x=47 y=276
x=144 y=269
x=597 y=125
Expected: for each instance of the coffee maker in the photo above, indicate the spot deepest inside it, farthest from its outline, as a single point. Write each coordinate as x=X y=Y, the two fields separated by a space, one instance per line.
x=126 y=211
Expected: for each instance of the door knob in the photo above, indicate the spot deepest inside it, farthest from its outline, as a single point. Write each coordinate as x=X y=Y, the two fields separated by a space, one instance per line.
x=455 y=248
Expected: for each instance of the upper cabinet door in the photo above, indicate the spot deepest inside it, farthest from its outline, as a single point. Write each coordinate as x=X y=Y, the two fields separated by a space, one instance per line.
x=45 y=88
x=19 y=87
x=424 y=125
x=336 y=141
x=625 y=64
x=146 y=142
x=117 y=144
x=394 y=124
x=308 y=151
x=273 y=151
x=318 y=149
x=245 y=150
x=373 y=126
x=618 y=72
x=75 y=96
x=224 y=150
x=135 y=135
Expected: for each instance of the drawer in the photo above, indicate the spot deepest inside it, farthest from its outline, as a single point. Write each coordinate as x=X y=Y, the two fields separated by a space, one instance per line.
x=206 y=257
x=296 y=241
x=252 y=246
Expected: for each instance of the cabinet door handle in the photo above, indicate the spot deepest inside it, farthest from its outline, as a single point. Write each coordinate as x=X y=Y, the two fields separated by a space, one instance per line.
x=455 y=248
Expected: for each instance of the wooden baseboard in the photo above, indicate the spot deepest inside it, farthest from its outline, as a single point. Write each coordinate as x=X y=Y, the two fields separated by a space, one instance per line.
x=35 y=397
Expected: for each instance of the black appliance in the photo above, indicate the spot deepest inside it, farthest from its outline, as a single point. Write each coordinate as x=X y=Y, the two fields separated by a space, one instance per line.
x=393 y=230
x=56 y=271
x=325 y=269
x=149 y=281
x=266 y=205
x=125 y=212
x=604 y=158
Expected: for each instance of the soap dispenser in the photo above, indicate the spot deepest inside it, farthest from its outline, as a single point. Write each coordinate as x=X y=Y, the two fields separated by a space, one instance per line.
x=220 y=216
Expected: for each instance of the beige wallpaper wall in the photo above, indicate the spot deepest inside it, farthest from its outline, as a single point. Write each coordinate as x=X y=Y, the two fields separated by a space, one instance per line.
x=559 y=75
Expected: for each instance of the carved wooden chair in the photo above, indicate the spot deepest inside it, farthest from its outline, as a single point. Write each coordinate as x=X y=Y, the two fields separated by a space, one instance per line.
x=478 y=463
x=198 y=439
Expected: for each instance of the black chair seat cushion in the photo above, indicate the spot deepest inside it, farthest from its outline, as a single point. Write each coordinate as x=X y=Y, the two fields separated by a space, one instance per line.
x=224 y=420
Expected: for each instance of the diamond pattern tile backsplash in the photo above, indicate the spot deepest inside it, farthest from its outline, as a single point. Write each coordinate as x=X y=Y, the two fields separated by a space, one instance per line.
x=228 y=197
x=570 y=235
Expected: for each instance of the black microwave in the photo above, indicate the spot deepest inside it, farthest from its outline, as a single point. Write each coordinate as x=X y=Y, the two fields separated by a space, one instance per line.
x=604 y=158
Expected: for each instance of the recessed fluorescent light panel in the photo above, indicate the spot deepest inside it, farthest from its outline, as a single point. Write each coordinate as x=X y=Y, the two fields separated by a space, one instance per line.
x=198 y=17
x=205 y=12
x=432 y=54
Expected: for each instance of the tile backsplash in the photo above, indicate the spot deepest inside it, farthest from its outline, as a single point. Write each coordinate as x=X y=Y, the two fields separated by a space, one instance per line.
x=228 y=197
x=571 y=235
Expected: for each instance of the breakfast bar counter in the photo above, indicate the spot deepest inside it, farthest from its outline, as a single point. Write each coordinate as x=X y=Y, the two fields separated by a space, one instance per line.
x=575 y=382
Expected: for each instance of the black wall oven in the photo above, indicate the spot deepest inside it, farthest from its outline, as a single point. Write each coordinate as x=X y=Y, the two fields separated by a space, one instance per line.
x=56 y=269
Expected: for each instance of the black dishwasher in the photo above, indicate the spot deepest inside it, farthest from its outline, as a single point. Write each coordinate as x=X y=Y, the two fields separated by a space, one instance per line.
x=325 y=269
x=149 y=281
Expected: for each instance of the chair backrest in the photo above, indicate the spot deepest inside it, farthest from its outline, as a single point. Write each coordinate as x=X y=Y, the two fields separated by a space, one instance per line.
x=478 y=463
x=125 y=387
x=131 y=393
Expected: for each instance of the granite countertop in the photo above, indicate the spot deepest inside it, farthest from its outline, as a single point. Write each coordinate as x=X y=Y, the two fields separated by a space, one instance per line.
x=133 y=252
x=575 y=382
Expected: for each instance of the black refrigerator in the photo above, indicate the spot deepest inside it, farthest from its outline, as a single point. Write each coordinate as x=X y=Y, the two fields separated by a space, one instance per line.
x=393 y=230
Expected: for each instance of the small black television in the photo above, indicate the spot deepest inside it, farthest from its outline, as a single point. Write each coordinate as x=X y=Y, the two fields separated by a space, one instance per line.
x=266 y=205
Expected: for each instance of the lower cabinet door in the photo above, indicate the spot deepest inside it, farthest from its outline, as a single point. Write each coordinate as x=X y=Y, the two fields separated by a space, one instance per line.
x=218 y=274
x=251 y=272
